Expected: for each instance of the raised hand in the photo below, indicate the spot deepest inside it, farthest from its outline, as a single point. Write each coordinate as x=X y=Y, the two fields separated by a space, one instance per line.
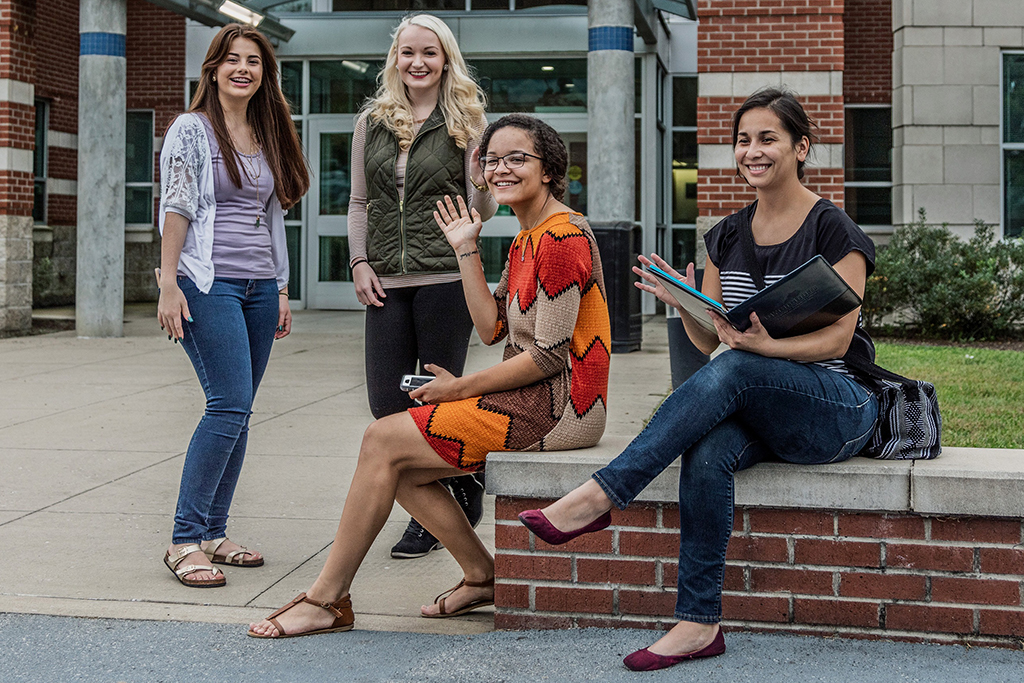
x=461 y=226
x=653 y=285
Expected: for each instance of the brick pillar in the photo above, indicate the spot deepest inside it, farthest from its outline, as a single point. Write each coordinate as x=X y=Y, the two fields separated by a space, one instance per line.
x=17 y=128
x=744 y=46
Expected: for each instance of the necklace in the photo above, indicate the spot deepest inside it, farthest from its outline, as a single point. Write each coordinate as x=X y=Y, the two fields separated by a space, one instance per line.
x=254 y=169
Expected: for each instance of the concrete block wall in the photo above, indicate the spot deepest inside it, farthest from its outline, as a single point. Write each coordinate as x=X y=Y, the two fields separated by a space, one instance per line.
x=947 y=108
x=17 y=123
x=743 y=46
x=835 y=549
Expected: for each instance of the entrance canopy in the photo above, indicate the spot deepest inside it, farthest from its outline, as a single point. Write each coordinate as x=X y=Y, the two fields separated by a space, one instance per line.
x=221 y=12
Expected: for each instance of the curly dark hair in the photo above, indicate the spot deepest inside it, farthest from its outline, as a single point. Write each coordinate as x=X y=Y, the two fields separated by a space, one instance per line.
x=546 y=143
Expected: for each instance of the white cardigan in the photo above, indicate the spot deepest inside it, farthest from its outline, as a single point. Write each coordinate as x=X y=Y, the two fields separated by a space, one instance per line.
x=186 y=188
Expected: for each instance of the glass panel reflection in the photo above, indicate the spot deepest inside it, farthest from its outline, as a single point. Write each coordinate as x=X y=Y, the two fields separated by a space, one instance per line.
x=868 y=144
x=291 y=85
x=533 y=85
x=1013 y=98
x=684 y=101
x=341 y=86
x=869 y=205
x=293 y=235
x=334 y=259
x=684 y=177
x=1014 y=193
x=684 y=247
x=139 y=147
x=335 y=183
x=494 y=253
x=138 y=205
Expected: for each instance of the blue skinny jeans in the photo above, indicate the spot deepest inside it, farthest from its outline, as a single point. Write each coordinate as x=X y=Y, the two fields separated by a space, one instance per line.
x=229 y=344
x=736 y=411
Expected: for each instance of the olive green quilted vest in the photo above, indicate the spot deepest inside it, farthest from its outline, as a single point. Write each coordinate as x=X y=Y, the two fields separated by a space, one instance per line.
x=402 y=235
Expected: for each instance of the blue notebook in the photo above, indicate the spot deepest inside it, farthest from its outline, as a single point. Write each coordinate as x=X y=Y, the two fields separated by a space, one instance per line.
x=811 y=297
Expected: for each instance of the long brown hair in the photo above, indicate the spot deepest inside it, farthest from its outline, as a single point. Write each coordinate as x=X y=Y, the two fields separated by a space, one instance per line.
x=268 y=114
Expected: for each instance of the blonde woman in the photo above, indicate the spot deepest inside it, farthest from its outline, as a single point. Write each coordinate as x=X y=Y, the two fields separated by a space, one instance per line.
x=415 y=143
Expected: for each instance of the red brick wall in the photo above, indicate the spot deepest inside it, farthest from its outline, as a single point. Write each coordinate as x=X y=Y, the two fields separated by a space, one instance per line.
x=766 y=36
x=17 y=121
x=906 y=577
x=155 y=47
x=868 y=38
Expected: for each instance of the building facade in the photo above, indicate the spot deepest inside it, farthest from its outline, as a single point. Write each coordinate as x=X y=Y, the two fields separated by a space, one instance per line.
x=919 y=105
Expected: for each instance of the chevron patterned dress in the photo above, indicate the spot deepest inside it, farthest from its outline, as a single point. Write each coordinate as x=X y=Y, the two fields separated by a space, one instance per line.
x=552 y=305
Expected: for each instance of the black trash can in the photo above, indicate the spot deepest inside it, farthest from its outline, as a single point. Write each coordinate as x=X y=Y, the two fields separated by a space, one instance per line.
x=620 y=243
x=684 y=358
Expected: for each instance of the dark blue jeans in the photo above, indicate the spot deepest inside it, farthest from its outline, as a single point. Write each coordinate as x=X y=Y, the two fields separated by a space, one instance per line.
x=229 y=344
x=736 y=411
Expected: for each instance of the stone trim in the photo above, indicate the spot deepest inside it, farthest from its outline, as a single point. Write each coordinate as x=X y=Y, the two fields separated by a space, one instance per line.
x=17 y=91
x=742 y=83
x=962 y=481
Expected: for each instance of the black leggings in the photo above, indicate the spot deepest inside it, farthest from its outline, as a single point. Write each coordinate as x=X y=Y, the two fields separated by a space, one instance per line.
x=429 y=324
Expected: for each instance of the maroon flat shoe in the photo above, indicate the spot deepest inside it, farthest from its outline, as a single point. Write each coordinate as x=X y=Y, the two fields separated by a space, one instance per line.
x=535 y=521
x=645 y=660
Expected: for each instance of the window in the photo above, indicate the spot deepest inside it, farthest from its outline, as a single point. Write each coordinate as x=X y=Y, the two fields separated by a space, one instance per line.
x=1012 y=143
x=335 y=86
x=684 y=170
x=868 y=163
x=138 y=190
x=39 y=163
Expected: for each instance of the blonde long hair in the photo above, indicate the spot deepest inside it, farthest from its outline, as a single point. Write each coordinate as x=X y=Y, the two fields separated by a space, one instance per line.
x=460 y=98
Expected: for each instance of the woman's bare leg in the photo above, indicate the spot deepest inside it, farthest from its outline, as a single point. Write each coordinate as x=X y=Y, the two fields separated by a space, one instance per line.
x=433 y=506
x=392 y=446
x=579 y=507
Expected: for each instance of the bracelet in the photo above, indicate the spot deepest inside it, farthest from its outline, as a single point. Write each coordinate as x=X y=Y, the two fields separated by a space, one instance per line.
x=283 y=293
x=357 y=261
x=480 y=188
x=468 y=253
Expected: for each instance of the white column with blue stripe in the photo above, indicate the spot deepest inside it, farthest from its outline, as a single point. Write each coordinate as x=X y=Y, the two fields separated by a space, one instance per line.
x=102 y=71
x=610 y=104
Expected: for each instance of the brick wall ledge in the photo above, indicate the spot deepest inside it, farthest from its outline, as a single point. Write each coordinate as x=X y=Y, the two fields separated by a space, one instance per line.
x=962 y=481
x=918 y=551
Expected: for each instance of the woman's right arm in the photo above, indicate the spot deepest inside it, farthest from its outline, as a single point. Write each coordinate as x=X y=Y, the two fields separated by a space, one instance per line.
x=368 y=288
x=172 y=306
x=461 y=228
x=704 y=339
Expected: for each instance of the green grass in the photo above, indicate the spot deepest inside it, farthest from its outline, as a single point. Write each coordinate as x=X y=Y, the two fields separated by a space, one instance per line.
x=981 y=391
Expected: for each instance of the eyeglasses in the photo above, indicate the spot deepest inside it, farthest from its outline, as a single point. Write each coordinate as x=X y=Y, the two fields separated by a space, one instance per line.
x=513 y=160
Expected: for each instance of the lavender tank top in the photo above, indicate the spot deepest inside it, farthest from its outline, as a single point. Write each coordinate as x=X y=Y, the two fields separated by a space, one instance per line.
x=241 y=248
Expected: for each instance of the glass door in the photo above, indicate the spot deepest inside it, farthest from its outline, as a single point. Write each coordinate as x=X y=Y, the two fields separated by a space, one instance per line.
x=329 y=278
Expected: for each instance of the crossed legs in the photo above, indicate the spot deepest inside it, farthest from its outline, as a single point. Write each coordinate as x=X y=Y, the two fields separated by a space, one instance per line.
x=395 y=464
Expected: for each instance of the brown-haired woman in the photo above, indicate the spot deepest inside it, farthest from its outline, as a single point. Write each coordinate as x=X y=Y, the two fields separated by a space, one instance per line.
x=228 y=169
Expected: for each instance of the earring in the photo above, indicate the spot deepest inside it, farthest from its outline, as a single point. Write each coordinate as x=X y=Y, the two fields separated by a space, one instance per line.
x=445 y=68
x=214 y=79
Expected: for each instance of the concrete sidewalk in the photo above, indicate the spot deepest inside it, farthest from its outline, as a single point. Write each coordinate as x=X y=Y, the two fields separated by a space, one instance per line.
x=92 y=439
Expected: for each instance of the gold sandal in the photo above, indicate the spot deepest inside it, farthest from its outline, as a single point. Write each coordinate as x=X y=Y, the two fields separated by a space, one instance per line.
x=476 y=604
x=235 y=558
x=182 y=573
x=344 y=619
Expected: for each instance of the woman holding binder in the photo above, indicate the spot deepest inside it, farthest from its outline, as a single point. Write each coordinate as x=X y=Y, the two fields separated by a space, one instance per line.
x=788 y=399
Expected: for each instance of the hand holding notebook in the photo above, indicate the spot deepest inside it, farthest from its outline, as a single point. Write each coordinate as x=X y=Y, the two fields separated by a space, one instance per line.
x=811 y=297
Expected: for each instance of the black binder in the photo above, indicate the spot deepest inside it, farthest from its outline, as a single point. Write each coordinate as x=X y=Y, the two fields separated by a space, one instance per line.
x=811 y=297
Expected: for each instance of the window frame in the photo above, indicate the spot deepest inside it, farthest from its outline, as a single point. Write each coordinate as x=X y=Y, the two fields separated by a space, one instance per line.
x=1005 y=146
x=882 y=228
x=151 y=184
x=672 y=129
x=44 y=144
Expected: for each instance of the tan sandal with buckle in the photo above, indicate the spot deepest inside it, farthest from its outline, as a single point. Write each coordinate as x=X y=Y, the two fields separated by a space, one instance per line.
x=344 y=619
x=476 y=604
x=236 y=558
x=172 y=562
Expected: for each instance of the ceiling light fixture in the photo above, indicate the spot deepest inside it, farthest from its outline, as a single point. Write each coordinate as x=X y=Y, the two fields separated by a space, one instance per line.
x=242 y=14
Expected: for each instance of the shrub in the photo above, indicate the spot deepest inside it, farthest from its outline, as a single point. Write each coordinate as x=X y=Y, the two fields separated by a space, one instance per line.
x=930 y=283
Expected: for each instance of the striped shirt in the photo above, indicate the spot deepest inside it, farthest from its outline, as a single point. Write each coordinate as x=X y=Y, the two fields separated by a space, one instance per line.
x=826 y=230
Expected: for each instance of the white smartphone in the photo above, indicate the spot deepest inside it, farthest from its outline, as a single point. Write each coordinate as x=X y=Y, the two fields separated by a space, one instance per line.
x=411 y=382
